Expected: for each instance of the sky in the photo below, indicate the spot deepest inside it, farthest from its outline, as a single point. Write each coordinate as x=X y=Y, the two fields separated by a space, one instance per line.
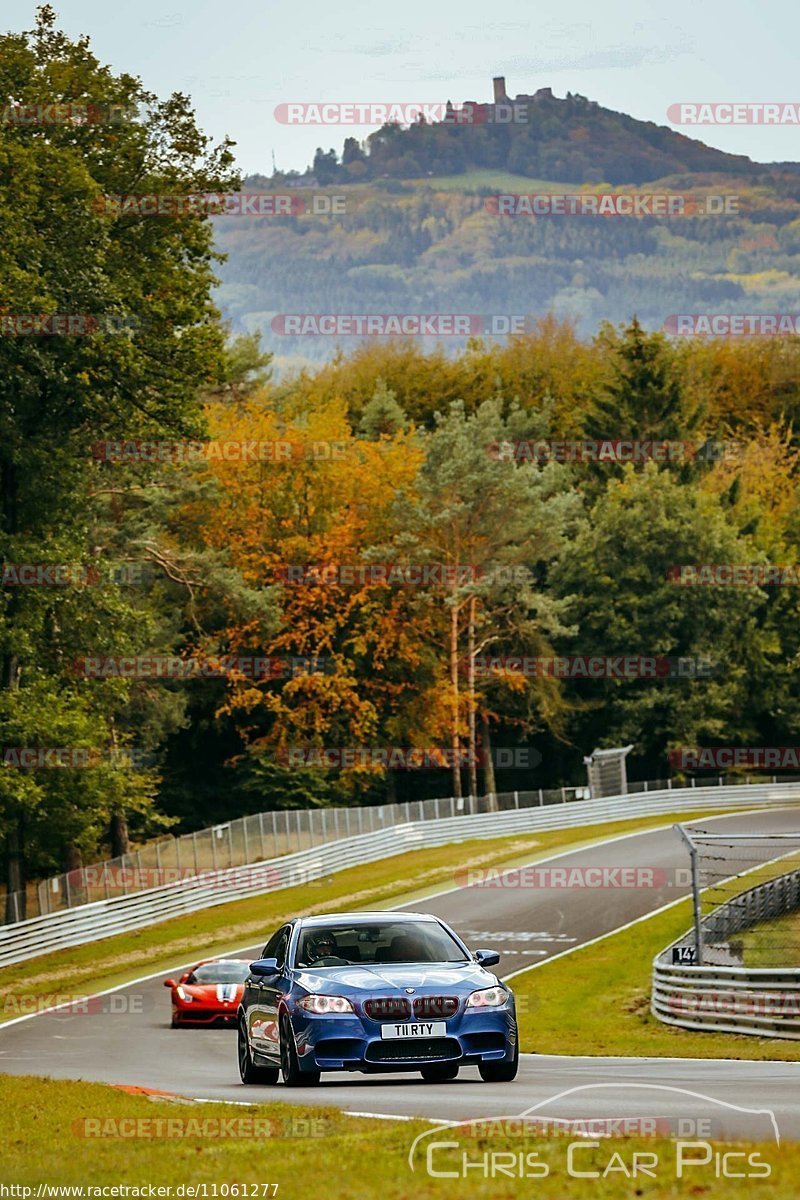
x=238 y=62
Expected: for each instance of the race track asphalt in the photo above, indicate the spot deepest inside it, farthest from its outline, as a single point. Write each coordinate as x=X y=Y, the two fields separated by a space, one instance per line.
x=125 y=1037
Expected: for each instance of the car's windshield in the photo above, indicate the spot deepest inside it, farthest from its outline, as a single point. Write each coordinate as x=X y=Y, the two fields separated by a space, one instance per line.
x=220 y=972
x=384 y=942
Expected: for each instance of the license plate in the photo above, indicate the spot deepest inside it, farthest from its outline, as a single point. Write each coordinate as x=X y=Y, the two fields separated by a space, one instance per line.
x=414 y=1029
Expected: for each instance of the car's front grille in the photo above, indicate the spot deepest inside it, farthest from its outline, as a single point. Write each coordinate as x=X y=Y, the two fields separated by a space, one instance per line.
x=435 y=1006
x=387 y=1008
x=413 y=1049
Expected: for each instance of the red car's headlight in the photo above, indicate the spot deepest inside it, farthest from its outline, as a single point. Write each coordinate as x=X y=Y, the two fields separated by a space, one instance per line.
x=184 y=995
x=326 y=1004
x=491 y=997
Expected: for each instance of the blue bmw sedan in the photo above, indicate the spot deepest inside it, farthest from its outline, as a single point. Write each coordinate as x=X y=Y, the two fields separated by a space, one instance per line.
x=374 y=992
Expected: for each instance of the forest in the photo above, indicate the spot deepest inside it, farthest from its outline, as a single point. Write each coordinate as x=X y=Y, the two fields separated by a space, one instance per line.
x=230 y=588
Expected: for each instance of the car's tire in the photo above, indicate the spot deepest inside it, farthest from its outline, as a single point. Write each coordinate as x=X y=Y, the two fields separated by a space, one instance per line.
x=175 y=1023
x=500 y=1072
x=290 y=1067
x=439 y=1072
x=248 y=1070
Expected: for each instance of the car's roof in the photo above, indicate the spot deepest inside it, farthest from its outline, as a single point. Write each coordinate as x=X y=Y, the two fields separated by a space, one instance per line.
x=356 y=918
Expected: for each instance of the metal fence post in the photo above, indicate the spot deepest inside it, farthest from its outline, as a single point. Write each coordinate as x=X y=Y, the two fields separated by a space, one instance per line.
x=516 y=799
x=698 y=924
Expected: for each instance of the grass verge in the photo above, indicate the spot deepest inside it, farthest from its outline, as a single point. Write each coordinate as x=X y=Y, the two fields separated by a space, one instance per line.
x=305 y=1150
x=116 y=960
x=773 y=942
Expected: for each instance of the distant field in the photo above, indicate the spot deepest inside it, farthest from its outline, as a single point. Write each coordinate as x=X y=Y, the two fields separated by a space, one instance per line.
x=484 y=177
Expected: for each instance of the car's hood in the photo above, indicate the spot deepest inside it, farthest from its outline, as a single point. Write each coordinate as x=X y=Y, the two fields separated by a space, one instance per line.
x=214 y=991
x=389 y=978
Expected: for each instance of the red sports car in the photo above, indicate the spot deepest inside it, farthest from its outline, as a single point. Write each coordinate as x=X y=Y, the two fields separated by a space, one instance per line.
x=209 y=994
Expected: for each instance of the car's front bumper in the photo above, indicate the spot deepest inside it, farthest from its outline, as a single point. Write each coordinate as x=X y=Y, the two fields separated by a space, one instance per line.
x=193 y=1014
x=354 y=1043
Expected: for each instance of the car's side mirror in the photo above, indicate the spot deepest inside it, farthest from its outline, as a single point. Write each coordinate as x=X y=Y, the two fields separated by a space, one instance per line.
x=487 y=958
x=264 y=966
x=170 y=983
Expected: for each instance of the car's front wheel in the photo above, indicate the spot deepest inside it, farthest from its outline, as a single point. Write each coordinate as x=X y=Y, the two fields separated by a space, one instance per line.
x=248 y=1070
x=500 y=1072
x=290 y=1067
x=439 y=1072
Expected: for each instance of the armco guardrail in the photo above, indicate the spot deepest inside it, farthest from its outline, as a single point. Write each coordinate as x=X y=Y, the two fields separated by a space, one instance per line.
x=757 y=1000
x=733 y=999
x=72 y=927
x=267 y=835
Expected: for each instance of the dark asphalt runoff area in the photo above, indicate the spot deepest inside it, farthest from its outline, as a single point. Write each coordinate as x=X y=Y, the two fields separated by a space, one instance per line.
x=530 y=916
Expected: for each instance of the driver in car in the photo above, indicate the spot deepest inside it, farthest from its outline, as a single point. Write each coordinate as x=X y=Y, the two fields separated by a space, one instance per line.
x=324 y=947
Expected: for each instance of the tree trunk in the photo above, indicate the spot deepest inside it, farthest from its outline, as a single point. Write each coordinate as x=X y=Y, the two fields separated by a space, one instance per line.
x=454 y=738
x=73 y=859
x=73 y=868
x=16 y=900
x=391 y=787
x=118 y=834
x=489 y=782
x=473 y=748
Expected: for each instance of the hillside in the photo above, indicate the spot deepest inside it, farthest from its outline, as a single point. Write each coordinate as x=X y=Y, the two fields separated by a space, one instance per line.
x=573 y=139
x=437 y=250
x=420 y=232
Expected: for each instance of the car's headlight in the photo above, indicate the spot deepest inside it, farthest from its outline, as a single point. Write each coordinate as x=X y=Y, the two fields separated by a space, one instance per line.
x=326 y=1004
x=491 y=997
x=184 y=995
